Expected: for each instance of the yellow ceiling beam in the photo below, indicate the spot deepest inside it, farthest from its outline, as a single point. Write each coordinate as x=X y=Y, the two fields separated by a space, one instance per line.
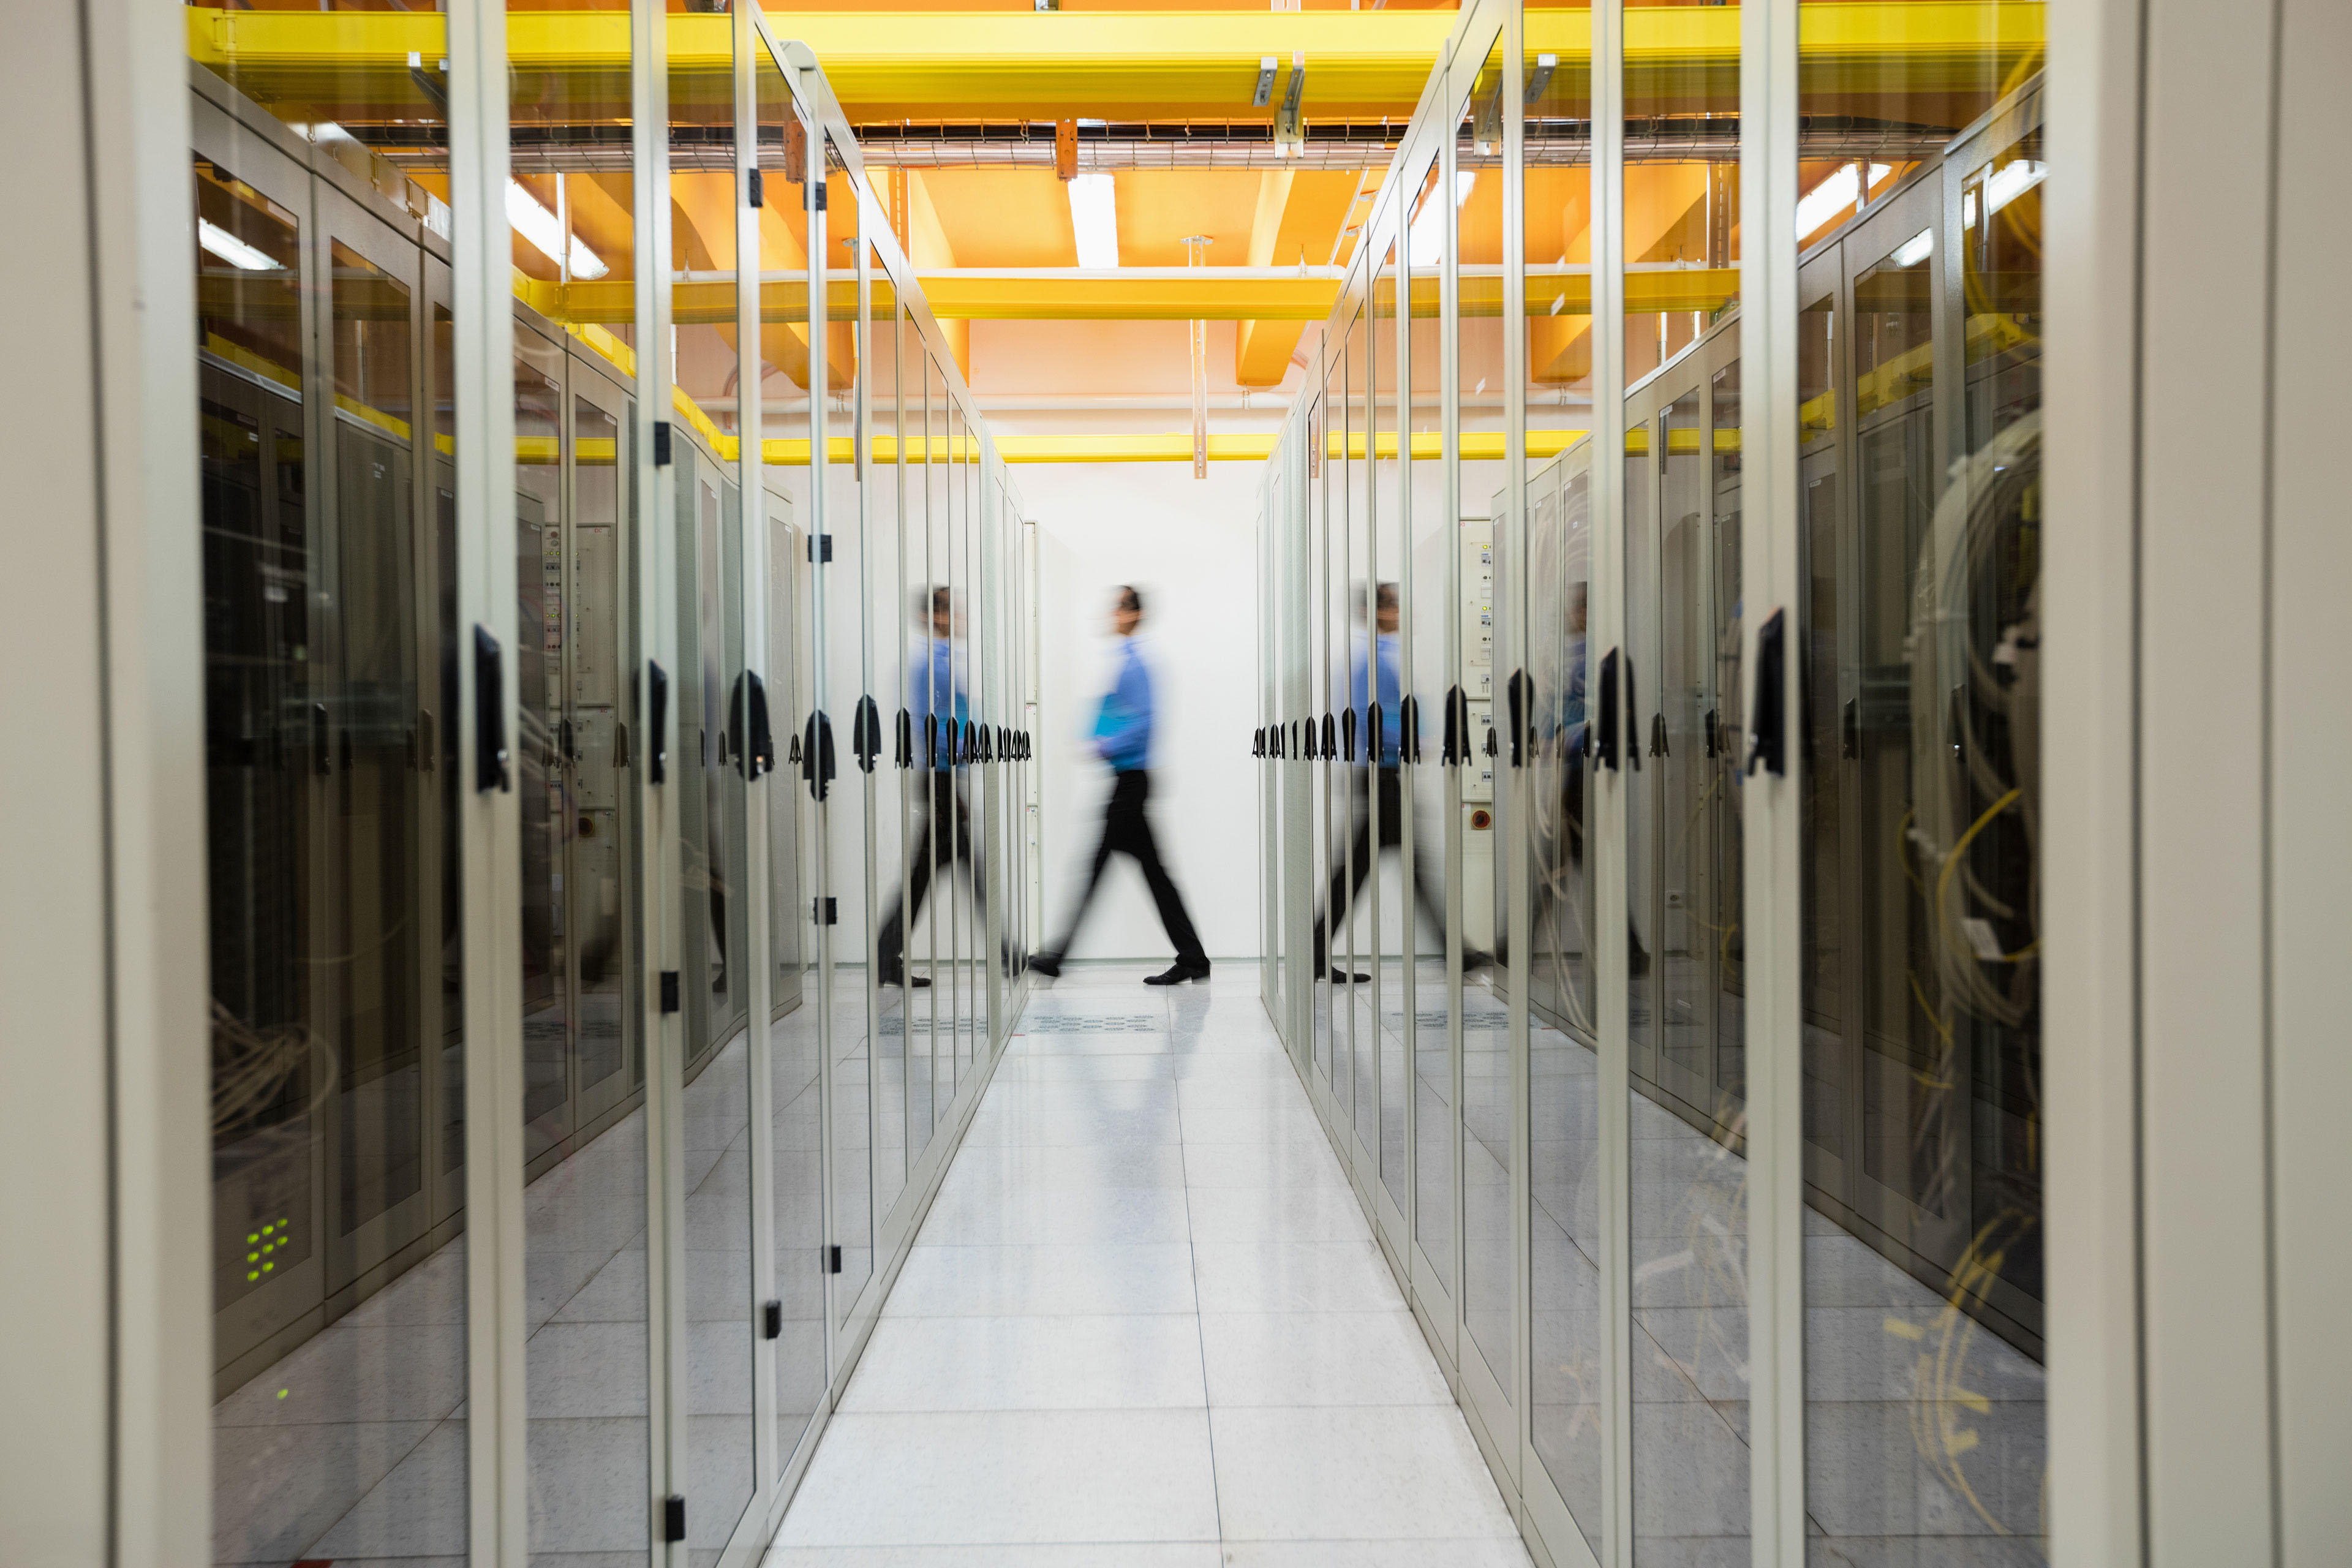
x=1176 y=447
x=1053 y=295
x=1123 y=65
x=1300 y=214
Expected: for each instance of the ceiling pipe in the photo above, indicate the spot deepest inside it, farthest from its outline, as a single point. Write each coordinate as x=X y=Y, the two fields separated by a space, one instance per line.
x=1122 y=402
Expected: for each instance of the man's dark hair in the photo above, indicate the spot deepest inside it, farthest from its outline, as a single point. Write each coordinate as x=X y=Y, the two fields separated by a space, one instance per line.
x=1130 y=598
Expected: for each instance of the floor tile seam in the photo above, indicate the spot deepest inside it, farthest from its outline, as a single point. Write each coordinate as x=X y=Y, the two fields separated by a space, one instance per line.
x=361 y=1501
x=968 y=1317
x=1123 y=1409
x=1200 y=1339
x=780 y=1546
x=291 y=1426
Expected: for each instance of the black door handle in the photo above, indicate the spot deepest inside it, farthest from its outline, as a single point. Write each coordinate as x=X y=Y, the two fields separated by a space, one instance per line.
x=817 y=755
x=1515 y=692
x=1330 y=737
x=322 y=744
x=906 y=752
x=1769 y=723
x=491 y=769
x=1633 y=721
x=1658 y=736
x=1348 y=733
x=1409 y=729
x=865 y=733
x=1494 y=748
x=764 y=735
x=1707 y=726
x=1608 y=713
x=1851 y=727
x=1449 y=745
x=657 y=705
x=733 y=736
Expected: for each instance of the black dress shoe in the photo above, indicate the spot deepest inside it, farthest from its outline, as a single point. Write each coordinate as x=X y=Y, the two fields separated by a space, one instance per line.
x=1179 y=975
x=1341 y=977
x=1048 y=964
x=1475 y=960
x=898 y=977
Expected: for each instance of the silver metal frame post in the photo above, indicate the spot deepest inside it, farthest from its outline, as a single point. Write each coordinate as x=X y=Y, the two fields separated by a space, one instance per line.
x=489 y=823
x=1769 y=544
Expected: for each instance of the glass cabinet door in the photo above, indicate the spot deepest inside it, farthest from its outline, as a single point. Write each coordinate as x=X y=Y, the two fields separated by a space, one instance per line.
x=607 y=1068
x=367 y=752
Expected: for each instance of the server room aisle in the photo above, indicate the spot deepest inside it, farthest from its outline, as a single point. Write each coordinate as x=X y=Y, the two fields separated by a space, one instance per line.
x=1145 y=1324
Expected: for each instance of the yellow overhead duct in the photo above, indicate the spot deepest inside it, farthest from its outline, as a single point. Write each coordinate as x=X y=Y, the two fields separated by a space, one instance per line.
x=1054 y=294
x=1035 y=65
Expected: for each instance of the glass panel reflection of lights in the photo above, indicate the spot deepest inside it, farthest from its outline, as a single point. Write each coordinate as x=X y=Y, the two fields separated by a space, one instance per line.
x=339 y=1324
x=1395 y=883
x=1553 y=955
x=1919 y=460
x=577 y=499
x=1489 y=1168
x=1432 y=634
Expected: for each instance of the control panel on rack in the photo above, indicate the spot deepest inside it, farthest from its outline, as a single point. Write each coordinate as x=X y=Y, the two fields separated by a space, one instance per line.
x=1477 y=545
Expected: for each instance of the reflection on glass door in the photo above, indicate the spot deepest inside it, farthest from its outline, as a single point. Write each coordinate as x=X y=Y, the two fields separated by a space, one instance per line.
x=574 y=486
x=1923 y=1114
x=796 y=1107
x=1564 y=1071
x=1431 y=799
x=1833 y=725
x=377 y=1137
x=538 y=778
x=267 y=843
x=1488 y=1165
x=604 y=1070
x=1325 y=857
x=1686 y=1165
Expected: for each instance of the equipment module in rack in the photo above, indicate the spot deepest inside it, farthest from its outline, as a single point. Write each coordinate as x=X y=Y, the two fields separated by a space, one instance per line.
x=1478 y=541
x=1477 y=609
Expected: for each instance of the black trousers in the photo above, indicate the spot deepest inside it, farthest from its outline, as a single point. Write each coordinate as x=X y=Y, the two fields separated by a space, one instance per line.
x=935 y=848
x=1127 y=830
x=1348 y=876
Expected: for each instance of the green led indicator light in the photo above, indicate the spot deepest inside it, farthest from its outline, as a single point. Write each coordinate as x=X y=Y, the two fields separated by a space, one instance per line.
x=253 y=1258
x=267 y=1228
x=267 y=1266
x=252 y=1276
x=282 y=1393
x=253 y=1235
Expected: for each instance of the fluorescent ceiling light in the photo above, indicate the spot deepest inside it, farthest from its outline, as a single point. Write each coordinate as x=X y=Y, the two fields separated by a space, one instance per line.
x=544 y=231
x=233 y=250
x=1834 y=194
x=1914 y=250
x=1424 y=242
x=2010 y=181
x=1094 y=217
x=1829 y=198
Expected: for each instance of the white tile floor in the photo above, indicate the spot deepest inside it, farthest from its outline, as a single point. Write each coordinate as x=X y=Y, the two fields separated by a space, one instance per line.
x=1145 y=1324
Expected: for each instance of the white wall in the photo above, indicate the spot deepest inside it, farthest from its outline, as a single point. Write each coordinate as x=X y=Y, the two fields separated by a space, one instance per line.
x=1191 y=545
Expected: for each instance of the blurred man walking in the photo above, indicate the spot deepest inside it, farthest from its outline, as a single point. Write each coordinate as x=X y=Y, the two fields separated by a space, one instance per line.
x=1123 y=738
